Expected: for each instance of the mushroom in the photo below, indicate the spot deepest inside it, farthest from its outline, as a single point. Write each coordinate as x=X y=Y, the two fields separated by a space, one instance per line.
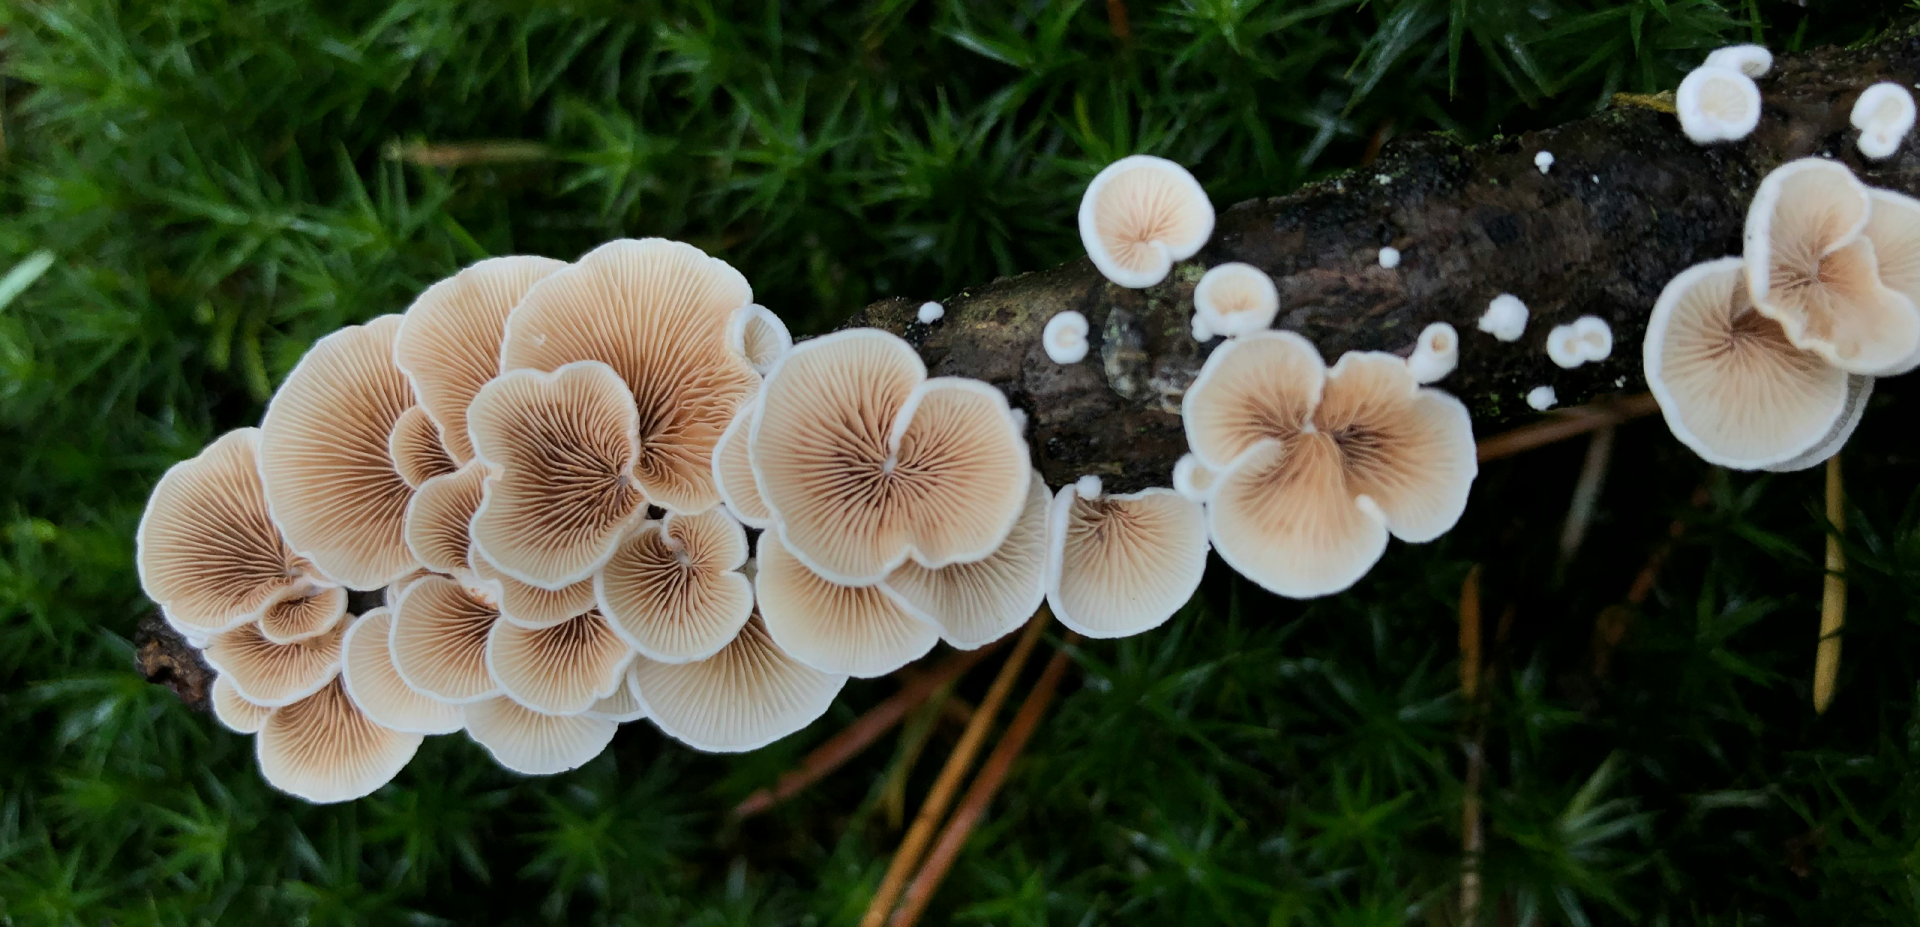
x=1595 y=338
x=1717 y=104
x=1193 y=479
x=1065 y=336
x=1435 y=354
x=560 y=670
x=1884 y=115
x=207 y=550
x=1543 y=160
x=330 y=481
x=1810 y=268
x=865 y=462
x=324 y=749
x=1730 y=384
x=560 y=448
x=657 y=312
x=853 y=630
x=758 y=335
x=439 y=641
x=233 y=710
x=1505 y=318
x=748 y=695
x=931 y=312
x=375 y=685
x=673 y=589
x=416 y=449
x=1542 y=398
x=1389 y=258
x=1751 y=60
x=977 y=603
x=733 y=472
x=1119 y=565
x=449 y=343
x=1140 y=215
x=303 y=614
x=1318 y=466
x=528 y=742
x=1234 y=299
x=270 y=674
x=524 y=605
x=622 y=706
x=1894 y=229
x=438 y=517
x=1564 y=348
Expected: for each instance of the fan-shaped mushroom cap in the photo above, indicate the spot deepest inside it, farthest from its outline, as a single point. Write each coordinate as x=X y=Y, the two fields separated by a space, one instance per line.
x=1563 y=347
x=270 y=674
x=977 y=603
x=302 y=614
x=856 y=630
x=438 y=517
x=449 y=345
x=1065 y=336
x=864 y=462
x=1751 y=60
x=529 y=606
x=758 y=335
x=657 y=312
x=207 y=550
x=622 y=705
x=233 y=710
x=439 y=641
x=561 y=670
x=330 y=481
x=748 y=695
x=1810 y=269
x=1140 y=215
x=1859 y=390
x=324 y=749
x=368 y=673
x=390 y=596
x=1730 y=384
x=1894 y=229
x=674 y=590
x=1884 y=115
x=1435 y=354
x=560 y=448
x=1234 y=299
x=528 y=742
x=1119 y=565
x=1717 y=104
x=416 y=449
x=1194 y=479
x=1595 y=337
x=733 y=472
x=1318 y=466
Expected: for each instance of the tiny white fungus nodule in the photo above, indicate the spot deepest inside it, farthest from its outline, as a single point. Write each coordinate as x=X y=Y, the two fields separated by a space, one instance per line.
x=1065 y=337
x=931 y=312
x=1505 y=318
x=1717 y=104
x=1751 y=60
x=1563 y=347
x=1234 y=299
x=1542 y=398
x=1543 y=161
x=1595 y=337
x=1884 y=115
x=1436 y=353
x=1389 y=257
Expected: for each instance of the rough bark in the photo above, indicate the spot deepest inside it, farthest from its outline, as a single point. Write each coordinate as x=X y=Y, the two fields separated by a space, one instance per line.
x=1628 y=203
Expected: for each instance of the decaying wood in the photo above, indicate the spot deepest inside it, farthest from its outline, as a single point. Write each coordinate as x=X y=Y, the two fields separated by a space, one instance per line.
x=165 y=658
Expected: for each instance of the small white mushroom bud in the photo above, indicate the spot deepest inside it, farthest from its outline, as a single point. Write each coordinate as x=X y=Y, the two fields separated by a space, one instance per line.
x=1717 y=104
x=1751 y=60
x=1201 y=332
x=1543 y=161
x=1884 y=115
x=1542 y=398
x=1563 y=346
x=1235 y=298
x=931 y=312
x=1088 y=487
x=1389 y=257
x=1193 y=479
x=1505 y=318
x=1436 y=354
x=1065 y=338
x=1595 y=337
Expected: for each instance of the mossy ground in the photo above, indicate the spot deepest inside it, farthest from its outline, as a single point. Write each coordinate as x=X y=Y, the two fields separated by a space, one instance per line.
x=192 y=191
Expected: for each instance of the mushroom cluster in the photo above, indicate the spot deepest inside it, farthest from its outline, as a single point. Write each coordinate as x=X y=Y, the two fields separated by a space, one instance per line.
x=1765 y=361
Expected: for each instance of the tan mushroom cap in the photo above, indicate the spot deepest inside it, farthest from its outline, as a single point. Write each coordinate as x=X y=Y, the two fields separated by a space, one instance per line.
x=449 y=345
x=865 y=463
x=748 y=695
x=1894 y=229
x=674 y=590
x=856 y=630
x=758 y=335
x=207 y=550
x=303 y=614
x=1139 y=215
x=977 y=603
x=439 y=641
x=1810 y=268
x=622 y=705
x=657 y=312
x=270 y=674
x=416 y=449
x=377 y=688
x=234 y=711
x=324 y=749
x=1118 y=565
x=1316 y=468
x=530 y=606
x=439 y=515
x=390 y=596
x=1234 y=299
x=561 y=448
x=528 y=742
x=1730 y=384
x=561 y=670
x=329 y=479
x=733 y=472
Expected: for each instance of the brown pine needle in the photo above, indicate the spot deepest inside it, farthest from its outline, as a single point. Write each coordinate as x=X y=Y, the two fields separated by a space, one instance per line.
x=948 y=783
x=1470 y=634
x=993 y=774
x=857 y=736
x=1566 y=424
x=1833 y=597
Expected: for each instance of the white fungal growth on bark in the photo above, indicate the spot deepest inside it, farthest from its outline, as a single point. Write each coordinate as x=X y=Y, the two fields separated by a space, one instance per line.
x=1884 y=115
x=1542 y=398
x=1389 y=257
x=1065 y=338
x=1436 y=354
x=1751 y=60
x=1543 y=161
x=930 y=312
x=1595 y=337
x=1717 y=104
x=1563 y=347
x=1505 y=318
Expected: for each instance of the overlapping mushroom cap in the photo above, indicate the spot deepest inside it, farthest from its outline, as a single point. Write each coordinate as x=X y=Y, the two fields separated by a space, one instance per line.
x=673 y=589
x=323 y=748
x=865 y=462
x=844 y=630
x=1139 y=215
x=746 y=696
x=1118 y=565
x=1316 y=467
x=979 y=602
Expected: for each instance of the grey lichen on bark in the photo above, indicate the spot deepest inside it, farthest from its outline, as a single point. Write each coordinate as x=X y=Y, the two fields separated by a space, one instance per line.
x=1628 y=203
